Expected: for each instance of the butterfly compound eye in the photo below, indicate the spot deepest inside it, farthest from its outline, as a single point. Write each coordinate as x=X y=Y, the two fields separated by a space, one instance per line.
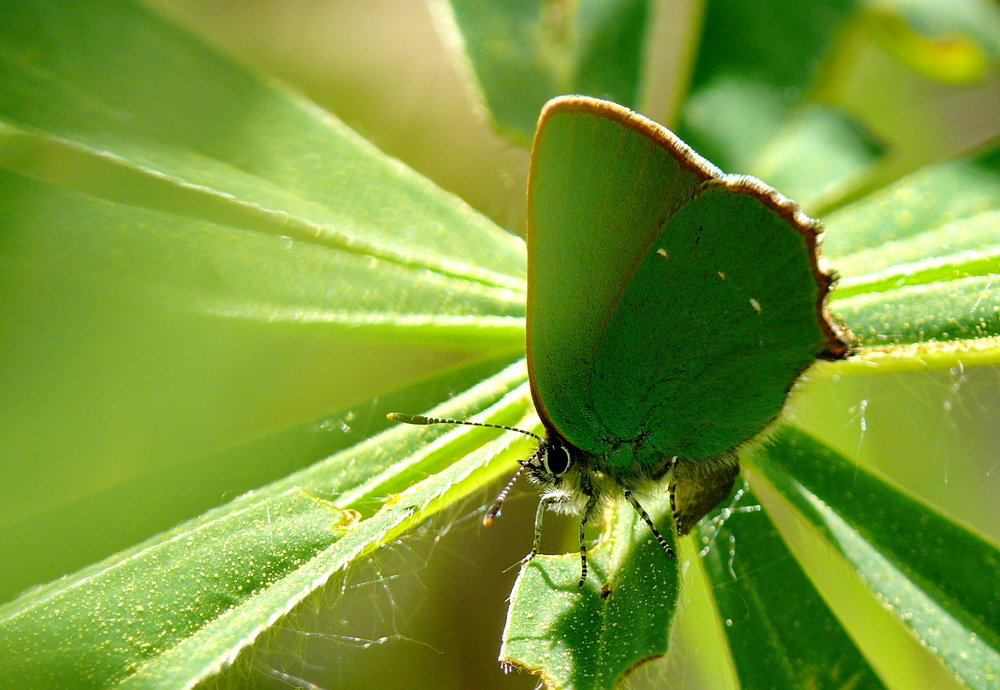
x=557 y=459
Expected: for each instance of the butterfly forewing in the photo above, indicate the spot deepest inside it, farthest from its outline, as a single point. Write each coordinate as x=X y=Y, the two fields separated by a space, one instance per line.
x=598 y=194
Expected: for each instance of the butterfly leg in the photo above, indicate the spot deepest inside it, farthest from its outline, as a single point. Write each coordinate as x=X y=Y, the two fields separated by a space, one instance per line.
x=543 y=505
x=652 y=528
x=588 y=511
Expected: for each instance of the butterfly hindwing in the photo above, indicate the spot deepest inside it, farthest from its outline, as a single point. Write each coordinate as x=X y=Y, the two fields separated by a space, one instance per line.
x=715 y=326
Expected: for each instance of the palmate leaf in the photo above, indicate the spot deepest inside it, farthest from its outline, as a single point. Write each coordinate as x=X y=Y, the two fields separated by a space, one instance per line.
x=180 y=607
x=764 y=75
x=186 y=252
x=181 y=243
x=169 y=156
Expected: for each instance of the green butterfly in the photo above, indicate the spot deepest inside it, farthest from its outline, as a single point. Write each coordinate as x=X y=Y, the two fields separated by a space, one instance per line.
x=671 y=308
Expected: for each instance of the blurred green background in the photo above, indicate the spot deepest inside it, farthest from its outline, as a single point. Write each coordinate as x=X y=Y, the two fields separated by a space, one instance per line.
x=432 y=606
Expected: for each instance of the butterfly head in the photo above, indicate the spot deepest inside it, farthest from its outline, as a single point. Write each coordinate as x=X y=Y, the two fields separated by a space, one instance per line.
x=550 y=463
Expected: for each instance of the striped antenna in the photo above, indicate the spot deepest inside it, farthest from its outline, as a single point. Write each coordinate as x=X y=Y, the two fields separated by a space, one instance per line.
x=419 y=419
x=494 y=509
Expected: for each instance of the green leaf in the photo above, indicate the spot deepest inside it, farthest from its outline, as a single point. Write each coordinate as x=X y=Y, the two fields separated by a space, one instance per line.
x=101 y=628
x=523 y=53
x=180 y=114
x=591 y=637
x=948 y=206
x=934 y=575
x=247 y=275
x=193 y=258
x=62 y=536
x=761 y=74
x=949 y=21
x=817 y=157
x=180 y=607
x=771 y=612
x=920 y=260
x=955 y=318
x=795 y=77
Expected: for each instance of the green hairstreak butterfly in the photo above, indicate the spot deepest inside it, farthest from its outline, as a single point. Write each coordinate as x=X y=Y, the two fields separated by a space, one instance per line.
x=671 y=308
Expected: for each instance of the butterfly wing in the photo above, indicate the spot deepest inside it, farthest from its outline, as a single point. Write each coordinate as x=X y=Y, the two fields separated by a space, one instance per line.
x=717 y=323
x=668 y=305
x=597 y=193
